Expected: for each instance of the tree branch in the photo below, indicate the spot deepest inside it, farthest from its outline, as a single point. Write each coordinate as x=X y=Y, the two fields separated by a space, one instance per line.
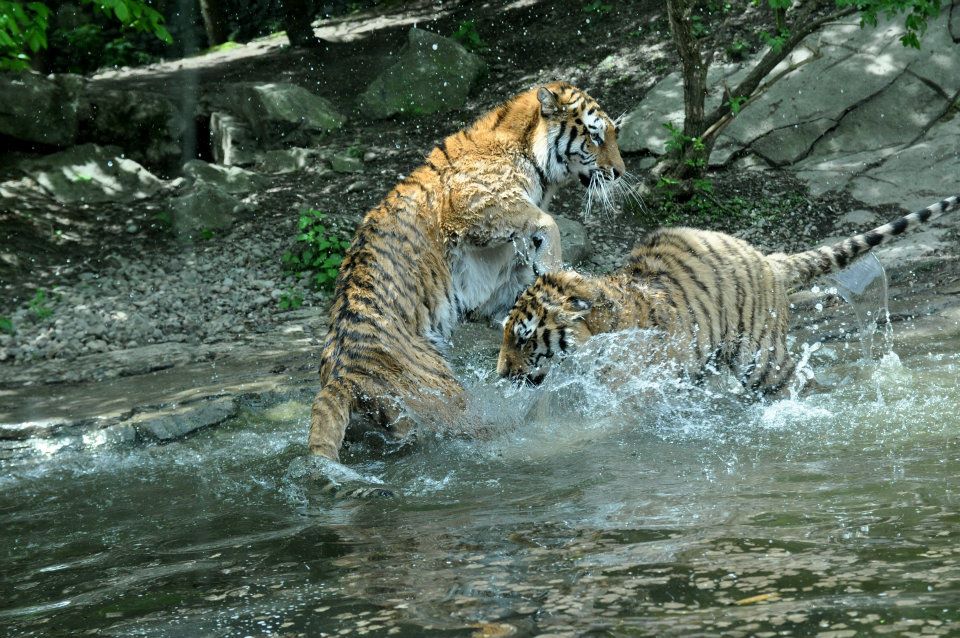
x=772 y=58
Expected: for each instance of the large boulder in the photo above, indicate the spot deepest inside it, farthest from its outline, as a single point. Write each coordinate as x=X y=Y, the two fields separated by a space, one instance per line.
x=34 y=108
x=284 y=114
x=89 y=173
x=432 y=74
x=147 y=126
x=851 y=106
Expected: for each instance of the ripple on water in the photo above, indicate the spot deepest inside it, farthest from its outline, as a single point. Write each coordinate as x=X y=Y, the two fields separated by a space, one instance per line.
x=613 y=497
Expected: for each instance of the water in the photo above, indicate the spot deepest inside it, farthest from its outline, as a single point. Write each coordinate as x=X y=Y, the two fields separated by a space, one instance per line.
x=606 y=503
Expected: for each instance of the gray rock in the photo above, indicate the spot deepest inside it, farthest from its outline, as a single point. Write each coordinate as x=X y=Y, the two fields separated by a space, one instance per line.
x=643 y=128
x=918 y=175
x=147 y=126
x=837 y=114
x=205 y=207
x=178 y=422
x=90 y=173
x=232 y=140
x=574 y=240
x=346 y=163
x=41 y=109
x=285 y=161
x=281 y=114
x=231 y=179
x=432 y=74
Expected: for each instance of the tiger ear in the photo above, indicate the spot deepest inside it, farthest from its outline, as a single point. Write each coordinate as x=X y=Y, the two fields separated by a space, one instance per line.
x=579 y=304
x=549 y=101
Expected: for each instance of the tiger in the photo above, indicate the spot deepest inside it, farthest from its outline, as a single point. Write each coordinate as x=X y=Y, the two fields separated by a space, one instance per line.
x=720 y=302
x=463 y=234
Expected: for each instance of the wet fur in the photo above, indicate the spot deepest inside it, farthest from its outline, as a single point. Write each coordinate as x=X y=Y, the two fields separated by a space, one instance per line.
x=720 y=300
x=466 y=232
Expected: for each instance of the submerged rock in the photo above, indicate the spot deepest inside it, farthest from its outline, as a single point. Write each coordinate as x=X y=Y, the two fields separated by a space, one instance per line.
x=34 y=108
x=174 y=423
x=89 y=173
x=433 y=74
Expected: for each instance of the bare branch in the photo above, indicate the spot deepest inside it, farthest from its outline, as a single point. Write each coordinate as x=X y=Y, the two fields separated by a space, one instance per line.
x=748 y=86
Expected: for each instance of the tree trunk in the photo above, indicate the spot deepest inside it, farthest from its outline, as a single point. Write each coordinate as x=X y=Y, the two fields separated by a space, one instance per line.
x=297 y=16
x=690 y=159
x=214 y=21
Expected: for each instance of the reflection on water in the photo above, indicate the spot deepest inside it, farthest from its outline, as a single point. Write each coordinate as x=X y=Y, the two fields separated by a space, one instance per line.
x=608 y=502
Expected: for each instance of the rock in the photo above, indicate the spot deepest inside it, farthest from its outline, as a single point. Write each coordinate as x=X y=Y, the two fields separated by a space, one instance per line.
x=285 y=161
x=147 y=126
x=40 y=109
x=206 y=207
x=573 y=240
x=232 y=141
x=231 y=179
x=346 y=163
x=918 y=175
x=643 y=128
x=432 y=74
x=284 y=114
x=178 y=422
x=90 y=173
x=837 y=113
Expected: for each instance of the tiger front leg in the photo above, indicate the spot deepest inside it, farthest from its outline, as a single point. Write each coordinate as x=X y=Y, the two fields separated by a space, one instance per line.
x=533 y=233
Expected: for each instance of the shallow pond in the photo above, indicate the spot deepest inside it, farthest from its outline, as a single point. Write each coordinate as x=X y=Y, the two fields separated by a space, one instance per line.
x=595 y=505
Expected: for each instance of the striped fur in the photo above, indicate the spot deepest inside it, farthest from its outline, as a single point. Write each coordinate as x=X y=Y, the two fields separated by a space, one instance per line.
x=717 y=295
x=466 y=232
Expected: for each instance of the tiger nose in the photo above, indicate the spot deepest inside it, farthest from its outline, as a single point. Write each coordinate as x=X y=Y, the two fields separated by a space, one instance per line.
x=617 y=173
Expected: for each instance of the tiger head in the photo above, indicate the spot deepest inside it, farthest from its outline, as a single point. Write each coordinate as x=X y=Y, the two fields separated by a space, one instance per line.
x=548 y=321
x=580 y=139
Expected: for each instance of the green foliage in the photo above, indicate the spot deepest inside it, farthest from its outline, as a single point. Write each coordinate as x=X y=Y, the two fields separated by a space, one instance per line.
x=738 y=49
x=691 y=149
x=38 y=305
x=736 y=103
x=23 y=29
x=466 y=34
x=918 y=13
x=318 y=250
x=6 y=325
x=290 y=300
x=597 y=7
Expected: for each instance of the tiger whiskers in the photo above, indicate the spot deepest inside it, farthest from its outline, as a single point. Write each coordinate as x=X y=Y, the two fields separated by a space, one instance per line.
x=606 y=193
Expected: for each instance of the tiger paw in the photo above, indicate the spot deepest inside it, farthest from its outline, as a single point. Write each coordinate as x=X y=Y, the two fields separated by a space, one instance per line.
x=336 y=479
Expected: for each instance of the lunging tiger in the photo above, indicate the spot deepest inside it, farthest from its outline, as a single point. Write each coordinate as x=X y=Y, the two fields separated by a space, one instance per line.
x=718 y=297
x=466 y=232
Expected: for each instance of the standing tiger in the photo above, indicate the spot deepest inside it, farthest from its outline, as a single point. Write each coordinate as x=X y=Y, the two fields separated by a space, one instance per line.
x=466 y=232
x=719 y=300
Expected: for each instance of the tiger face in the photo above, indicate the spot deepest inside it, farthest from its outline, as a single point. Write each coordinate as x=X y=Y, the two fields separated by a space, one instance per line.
x=581 y=139
x=548 y=321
